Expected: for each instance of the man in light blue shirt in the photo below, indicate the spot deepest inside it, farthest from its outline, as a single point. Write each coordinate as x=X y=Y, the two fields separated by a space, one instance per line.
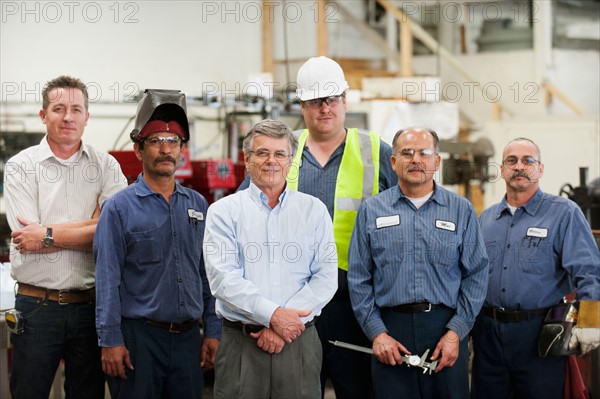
x=271 y=262
x=417 y=275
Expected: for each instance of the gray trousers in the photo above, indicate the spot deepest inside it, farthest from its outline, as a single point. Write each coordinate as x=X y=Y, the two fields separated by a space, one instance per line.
x=245 y=371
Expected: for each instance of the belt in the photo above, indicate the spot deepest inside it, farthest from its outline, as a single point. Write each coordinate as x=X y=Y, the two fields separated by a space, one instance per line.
x=252 y=328
x=513 y=316
x=63 y=297
x=419 y=307
x=173 y=327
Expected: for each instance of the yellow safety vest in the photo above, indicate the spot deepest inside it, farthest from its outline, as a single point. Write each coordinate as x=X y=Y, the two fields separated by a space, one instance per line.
x=357 y=179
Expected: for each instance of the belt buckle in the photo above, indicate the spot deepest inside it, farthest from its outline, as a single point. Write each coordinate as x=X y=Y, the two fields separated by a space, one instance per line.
x=494 y=314
x=60 y=294
x=428 y=309
x=171 y=329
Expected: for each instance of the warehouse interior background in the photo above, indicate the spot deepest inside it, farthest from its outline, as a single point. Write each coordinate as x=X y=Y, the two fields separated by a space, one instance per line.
x=481 y=73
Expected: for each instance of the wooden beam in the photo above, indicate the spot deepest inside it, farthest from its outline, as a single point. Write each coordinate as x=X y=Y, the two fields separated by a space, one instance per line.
x=367 y=32
x=496 y=112
x=406 y=48
x=555 y=92
x=267 y=36
x=424 y=37
x=322 y=33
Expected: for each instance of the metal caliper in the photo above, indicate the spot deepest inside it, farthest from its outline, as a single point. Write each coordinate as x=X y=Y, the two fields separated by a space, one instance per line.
x=409 y=360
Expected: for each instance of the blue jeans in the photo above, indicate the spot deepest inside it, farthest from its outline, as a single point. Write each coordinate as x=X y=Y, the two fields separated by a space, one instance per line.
x=506 y=363
x=165 y=364
x=419 y=332
x=54 y=332
x=350 y=371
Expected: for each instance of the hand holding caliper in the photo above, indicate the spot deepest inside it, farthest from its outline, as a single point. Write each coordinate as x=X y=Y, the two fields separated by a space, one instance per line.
x=409 y=360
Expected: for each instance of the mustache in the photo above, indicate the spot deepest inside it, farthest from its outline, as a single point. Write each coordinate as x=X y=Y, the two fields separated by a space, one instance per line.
x=412 y=168
x=520 y=173
x=166 y=158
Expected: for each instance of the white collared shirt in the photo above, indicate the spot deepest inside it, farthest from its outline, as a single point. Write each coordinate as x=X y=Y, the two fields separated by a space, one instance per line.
x=45 y=189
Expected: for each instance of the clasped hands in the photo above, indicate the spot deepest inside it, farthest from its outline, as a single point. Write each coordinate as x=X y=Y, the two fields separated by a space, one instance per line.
x=286 y=326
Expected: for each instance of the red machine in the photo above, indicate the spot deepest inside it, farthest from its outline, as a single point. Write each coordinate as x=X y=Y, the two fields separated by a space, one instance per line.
x=212 y=178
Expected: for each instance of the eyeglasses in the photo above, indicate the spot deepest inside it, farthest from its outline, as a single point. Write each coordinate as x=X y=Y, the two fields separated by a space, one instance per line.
x=159 y=141
x=527 y=161
x=409 y=153
x=318 y=102
x=266 y=154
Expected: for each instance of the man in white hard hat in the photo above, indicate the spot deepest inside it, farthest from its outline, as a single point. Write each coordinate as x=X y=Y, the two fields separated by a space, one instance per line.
x=340 y=166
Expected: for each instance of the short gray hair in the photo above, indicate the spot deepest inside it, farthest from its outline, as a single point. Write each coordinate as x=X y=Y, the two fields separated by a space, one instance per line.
x=537 y=148
x=436 y=139
x=269 y=128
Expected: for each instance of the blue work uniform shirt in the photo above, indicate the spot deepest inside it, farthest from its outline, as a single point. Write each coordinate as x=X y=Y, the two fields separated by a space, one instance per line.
x=538 y=255
x=400 y=255
x=149 y=261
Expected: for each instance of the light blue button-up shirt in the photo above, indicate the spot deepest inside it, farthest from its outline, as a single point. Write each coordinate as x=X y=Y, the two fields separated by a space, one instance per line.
x=402 y=255
x=540 y=254
x=258 y=258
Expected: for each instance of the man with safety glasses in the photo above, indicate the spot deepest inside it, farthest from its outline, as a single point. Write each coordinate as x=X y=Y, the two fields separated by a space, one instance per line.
x=417 y=275
x=341 y=166
x=540 y=248
x=271 y=262
x=152 y=289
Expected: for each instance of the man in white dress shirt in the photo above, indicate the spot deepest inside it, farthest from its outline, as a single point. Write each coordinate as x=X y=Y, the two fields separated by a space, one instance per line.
x=53 y=193
x=271 y=262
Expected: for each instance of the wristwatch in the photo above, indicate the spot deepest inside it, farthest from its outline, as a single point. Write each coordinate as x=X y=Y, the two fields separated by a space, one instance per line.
x=48 y=240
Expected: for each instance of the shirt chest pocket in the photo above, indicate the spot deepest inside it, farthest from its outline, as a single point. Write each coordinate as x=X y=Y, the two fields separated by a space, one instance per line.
x=386 y=240
x=145 y=247
x=444 y=248
x=535 y=255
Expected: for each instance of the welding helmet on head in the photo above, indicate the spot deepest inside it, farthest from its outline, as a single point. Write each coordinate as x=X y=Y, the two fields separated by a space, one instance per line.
x=320 y=77
x=161 y=105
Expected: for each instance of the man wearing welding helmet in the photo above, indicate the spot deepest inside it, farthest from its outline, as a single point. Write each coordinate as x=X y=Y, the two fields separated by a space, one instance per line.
x=152 y=289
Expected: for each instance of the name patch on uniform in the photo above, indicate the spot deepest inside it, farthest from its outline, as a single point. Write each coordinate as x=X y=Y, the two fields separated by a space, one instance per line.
x=539 y=232
x=387 y=221
x=445 y=225
x=193 y=214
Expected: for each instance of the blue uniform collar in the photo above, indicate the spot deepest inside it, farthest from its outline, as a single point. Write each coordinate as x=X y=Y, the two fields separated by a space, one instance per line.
x=439 y=196
x=143 y=190
x=531 y=206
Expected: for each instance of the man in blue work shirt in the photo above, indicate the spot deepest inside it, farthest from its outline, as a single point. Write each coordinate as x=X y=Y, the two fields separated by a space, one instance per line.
x=540 y=248
x=151 y=285
x=272 y=265
x=417 y=275
x=341 y=166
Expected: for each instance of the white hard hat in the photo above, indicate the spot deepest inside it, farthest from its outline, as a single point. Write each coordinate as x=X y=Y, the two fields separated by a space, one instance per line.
x=320 y=77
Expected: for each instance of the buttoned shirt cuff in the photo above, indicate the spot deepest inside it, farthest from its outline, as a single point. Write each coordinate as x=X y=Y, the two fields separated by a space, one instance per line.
x=264 y=312
x=212 y=327
x=459 y=326
x=374 y=328
x=110 y=337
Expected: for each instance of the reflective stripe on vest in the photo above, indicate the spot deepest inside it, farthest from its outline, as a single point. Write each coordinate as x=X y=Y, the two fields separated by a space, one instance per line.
x=357 y=179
